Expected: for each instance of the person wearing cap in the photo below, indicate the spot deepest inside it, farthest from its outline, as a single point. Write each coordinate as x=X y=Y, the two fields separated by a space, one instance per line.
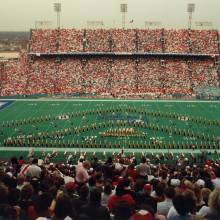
x=71 y=188
x=148 y=199
x=148 y=189
x=131 y=171
x=120 y=196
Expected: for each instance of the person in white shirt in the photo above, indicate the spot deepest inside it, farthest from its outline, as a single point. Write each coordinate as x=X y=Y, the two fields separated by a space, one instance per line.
x=216 y=181
x=82 y=175
x=143 y=169
x=33 y=170
x=164 y=207
x=106 y=194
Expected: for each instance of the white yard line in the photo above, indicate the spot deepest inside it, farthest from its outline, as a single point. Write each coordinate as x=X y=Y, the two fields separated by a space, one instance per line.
x=110 y=100
x=60 y=149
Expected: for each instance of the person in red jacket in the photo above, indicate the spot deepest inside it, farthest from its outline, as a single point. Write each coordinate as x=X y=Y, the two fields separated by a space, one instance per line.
x=131 y=172
x=120 y=196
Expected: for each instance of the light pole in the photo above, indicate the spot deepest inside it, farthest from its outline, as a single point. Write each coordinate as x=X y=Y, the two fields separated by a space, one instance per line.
x=57 y=9
x=124 y=10
x=190 y=10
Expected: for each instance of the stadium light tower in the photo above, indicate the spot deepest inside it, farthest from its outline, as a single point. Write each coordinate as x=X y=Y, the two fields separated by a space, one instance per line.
x=57 y=9
x=124 y=10
x=190 y=10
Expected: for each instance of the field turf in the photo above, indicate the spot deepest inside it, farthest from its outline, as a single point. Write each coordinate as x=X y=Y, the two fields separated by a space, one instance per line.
x=110 y=124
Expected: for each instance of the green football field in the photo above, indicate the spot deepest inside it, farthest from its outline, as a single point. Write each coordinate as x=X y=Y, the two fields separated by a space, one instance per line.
x=108 y=125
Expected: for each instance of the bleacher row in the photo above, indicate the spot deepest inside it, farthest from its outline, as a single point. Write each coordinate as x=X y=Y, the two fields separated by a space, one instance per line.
x=124 y=40
x=104 y=76
x=113 y=75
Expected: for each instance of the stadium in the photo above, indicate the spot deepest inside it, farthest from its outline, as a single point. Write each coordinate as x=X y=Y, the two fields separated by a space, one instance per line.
x=96 y=64
x=133 y=109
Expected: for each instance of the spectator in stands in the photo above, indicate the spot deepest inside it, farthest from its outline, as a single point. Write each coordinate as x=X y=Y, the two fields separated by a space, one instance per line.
x=82 y=175
x=212 y=211
x=158 y=194
x=205 y=195
x=42 y=205
x=143 y=169
x=7 y=212
x=33 y=171
x=143 y=213
x=63 y=208
x=36 y=194
x=3 y=193
x=122 y=211
x=216 y=181
x=108 y=168
x=182 y=204
x=71 y=189
x=139 y=194
x=94 y=210
x=199 y=199
x=163 y=207
x=107 y=192
x=26 y=198
x=82 y=200
x=204 y=209
x=131 y=171
x=120 y=196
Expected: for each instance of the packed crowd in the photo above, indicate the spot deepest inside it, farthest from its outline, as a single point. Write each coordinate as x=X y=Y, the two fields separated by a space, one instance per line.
x=116 y=187
x=110 y=76
x=204 y=40
x=14 y=75
x=204 y=78
x=97 y=40
x=150 y=40
x=177 y=41
x=46 y=41
x=121 y=40
x=68 y=40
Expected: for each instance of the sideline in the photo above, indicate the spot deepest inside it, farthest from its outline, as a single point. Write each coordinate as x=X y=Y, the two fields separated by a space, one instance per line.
x=126 y=150
x=112 y=100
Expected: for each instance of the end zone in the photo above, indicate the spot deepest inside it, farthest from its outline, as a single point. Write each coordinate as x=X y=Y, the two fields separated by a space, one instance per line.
x=4 y=104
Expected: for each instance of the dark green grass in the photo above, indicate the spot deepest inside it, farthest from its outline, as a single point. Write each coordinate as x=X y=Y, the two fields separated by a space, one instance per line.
x=204 y=112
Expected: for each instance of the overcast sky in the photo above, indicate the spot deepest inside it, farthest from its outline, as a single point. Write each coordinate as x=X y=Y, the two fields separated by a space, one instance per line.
x=20 y=15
